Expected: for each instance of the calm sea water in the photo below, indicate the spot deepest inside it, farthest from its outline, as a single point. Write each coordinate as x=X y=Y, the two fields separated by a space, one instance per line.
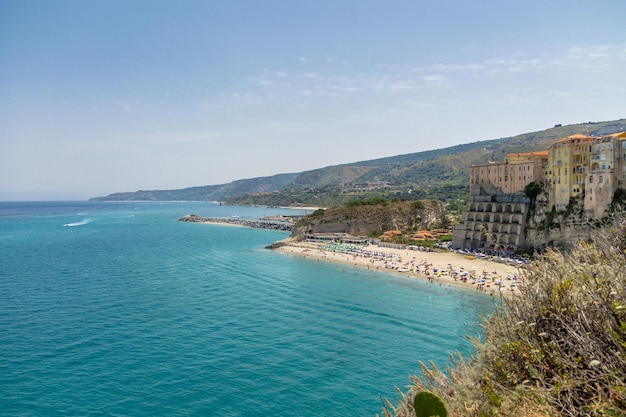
x=126 y=311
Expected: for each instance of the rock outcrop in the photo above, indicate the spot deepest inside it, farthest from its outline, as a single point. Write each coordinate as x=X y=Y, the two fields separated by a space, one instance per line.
x=561 y=229
x=361 y=220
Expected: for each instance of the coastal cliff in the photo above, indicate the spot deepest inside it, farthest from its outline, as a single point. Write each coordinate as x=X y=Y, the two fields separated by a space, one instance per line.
x=551 y=228
x=364 y=219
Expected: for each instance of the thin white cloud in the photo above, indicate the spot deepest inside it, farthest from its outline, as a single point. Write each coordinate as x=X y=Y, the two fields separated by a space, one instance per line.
x=430 y=83
x=587 y=57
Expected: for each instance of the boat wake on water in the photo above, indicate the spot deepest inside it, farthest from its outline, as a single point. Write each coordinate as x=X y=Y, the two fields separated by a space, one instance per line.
x=81 y=223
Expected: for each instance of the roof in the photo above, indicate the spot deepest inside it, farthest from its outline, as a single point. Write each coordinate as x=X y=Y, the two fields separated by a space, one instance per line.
x=535 y=153
x=392 y=232
x=572 y=138
x=619 y=135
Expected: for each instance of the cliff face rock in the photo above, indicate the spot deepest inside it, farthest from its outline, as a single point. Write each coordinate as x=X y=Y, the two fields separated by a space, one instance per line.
x=549 y=228
x=360 y=220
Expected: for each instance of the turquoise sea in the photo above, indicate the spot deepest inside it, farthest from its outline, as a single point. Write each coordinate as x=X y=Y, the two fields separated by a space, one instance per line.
x=118 y=309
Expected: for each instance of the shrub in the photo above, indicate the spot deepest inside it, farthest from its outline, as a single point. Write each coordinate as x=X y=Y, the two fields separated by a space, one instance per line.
x=556 y=349
x=371 y=201
x=418 y=205
x=318 y=212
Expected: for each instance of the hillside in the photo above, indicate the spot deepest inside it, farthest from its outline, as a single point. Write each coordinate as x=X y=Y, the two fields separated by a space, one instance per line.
x=436 y=174
x=363 y=220
x=207 y=192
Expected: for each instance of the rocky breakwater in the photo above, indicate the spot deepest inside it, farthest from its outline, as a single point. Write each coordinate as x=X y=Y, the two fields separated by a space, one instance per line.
x=259 y=224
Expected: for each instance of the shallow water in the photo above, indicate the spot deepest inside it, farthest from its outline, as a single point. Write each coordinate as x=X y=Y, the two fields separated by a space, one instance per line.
x=130 y=312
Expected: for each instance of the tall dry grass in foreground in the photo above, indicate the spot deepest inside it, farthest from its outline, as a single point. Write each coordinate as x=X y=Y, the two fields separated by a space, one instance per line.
x=557 y=349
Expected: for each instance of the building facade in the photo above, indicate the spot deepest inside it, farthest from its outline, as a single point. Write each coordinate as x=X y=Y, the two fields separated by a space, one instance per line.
x=492 y=221
x=568 y=163
x=511 y=176
x=606 y=173
x=578 y=165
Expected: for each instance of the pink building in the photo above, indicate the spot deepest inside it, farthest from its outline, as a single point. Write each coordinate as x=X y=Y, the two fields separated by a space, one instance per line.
x=510 y=176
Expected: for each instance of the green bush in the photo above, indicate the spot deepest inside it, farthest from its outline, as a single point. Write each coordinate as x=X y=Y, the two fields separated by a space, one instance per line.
x=318 y=212
x=371 y=201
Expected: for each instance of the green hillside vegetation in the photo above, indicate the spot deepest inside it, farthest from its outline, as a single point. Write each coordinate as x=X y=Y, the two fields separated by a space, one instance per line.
x=441 y=174
x=436 y=174
x=556 y=349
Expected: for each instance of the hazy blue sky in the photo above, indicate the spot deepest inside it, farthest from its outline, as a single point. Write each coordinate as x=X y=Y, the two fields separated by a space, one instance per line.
x=104 y=96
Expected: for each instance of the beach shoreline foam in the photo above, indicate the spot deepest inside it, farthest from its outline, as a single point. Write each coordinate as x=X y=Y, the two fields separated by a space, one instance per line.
x=444 y=268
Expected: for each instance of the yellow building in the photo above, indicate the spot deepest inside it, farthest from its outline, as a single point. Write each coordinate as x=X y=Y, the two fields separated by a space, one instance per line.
x=568 y=162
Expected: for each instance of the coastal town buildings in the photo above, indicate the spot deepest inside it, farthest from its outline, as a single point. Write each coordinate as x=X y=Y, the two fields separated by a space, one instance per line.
x=511 y=176
x=606 y=174
x=496 y=215
x=568 y=163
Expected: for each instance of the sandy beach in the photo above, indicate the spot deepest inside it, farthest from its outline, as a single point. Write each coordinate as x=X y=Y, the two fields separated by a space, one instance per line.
x=445 y=268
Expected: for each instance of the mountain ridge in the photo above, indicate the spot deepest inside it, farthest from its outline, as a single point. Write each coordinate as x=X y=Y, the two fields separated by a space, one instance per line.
x=440 y=173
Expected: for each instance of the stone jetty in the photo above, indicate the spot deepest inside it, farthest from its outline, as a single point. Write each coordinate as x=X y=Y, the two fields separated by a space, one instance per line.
x=259 y=224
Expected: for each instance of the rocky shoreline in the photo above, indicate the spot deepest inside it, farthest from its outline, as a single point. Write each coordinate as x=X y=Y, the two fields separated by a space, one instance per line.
x=259 y=224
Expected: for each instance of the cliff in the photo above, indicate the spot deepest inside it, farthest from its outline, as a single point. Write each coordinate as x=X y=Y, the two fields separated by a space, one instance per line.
x=559 y=229
x=361 y=220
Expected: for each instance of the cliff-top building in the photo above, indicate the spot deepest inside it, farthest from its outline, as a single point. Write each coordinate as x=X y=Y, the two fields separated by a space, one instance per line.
x=511 y=176
x=496 y=213
x=568 y=163
x=606 y=173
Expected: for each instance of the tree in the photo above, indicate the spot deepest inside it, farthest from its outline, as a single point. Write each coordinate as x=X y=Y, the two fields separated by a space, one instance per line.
x=532 y=190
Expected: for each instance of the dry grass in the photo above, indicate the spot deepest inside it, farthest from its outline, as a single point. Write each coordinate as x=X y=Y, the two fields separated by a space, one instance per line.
x=558 y=349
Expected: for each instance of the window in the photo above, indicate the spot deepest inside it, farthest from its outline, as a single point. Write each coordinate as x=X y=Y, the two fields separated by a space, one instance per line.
x=590 y=179
x=600 y=179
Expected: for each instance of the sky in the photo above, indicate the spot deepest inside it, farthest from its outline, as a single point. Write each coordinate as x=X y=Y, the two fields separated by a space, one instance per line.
x=107 y=96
